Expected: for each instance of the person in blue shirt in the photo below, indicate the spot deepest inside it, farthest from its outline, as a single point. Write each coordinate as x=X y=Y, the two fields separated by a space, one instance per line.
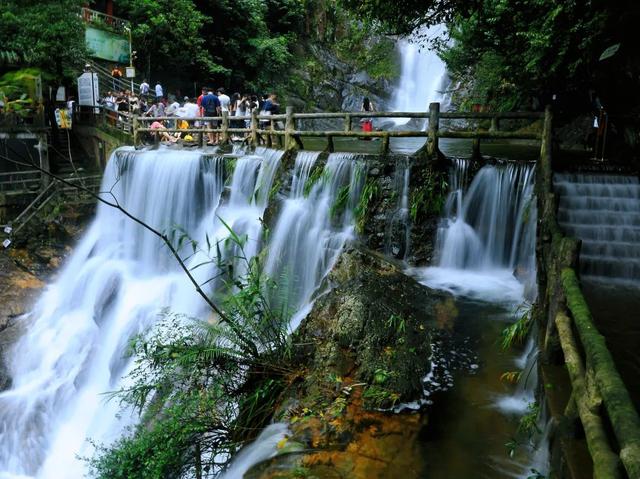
x=211 y=107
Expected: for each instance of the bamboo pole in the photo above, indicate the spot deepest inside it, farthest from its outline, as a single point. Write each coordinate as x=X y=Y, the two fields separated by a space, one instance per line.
x=620 y=409
x=385 y=144
x=606 y=464
x=434 y=124
x=224 y=139
x=288 y=128
x=254 y=129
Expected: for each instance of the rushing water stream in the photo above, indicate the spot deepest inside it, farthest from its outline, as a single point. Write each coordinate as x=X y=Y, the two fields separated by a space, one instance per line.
x=121 y=276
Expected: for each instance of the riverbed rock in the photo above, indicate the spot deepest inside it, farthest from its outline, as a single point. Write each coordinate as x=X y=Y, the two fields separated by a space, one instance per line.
x=364 y=347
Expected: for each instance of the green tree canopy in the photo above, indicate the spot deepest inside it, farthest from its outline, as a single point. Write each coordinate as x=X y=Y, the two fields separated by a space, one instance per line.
x=48 y=34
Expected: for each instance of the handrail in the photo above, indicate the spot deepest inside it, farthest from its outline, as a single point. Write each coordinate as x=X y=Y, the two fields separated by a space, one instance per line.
x=556 y=254
x=256 y=129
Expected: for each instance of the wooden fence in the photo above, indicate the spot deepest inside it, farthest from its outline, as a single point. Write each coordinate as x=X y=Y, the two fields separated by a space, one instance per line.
x=599 y=398
x=282 y=130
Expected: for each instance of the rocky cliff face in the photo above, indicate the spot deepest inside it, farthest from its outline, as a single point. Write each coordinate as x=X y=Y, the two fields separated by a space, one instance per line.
x=327 y=81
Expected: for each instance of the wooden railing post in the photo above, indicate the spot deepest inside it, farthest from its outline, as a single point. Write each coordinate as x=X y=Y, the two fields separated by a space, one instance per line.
x=347 y=122
x=225 y=128
x=135 y=131
x=434 y=126
x=288 y=128
x=254 y=128
x=475 y=148
x=495 y=124
x=385 y=144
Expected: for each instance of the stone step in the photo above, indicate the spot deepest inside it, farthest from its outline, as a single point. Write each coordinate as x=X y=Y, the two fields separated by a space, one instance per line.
x=593 y=203
x=615 y=249
x=602 y=217
x=591 y=178
x=610 y=267
x=628 y=234
x=600 y=190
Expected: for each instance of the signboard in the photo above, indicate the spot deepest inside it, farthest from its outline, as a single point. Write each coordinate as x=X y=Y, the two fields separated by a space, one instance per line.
x=88 y=89
x=107 y=45
x=131 y=72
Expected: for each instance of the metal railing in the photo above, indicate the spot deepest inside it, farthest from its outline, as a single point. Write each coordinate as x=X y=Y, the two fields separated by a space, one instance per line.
x=102 y=20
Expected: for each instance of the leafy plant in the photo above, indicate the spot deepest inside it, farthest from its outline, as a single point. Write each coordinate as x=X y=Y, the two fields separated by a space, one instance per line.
x=517 y=332
x=370 y=191
x=202 y=388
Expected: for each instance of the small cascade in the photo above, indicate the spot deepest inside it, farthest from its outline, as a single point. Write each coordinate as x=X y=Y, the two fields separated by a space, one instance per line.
x=398 y=228
x=486 y=238
x=604 y=212
x=311 y=230
x=264 y=447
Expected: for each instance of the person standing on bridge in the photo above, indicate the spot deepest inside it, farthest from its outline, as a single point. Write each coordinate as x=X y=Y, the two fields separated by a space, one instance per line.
x=144 y=89
x=116 y=74
x=367 y=123
x=211 y=107
x=159 y=92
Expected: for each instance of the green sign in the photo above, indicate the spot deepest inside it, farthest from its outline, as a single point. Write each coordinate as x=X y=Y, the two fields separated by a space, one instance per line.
x=107 y=45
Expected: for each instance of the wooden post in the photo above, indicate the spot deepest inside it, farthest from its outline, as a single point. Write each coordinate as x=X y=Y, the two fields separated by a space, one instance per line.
x=288 y=128
x=225 y=128
x=495 y=124
x=330 y=147
x=347 y=122
x=475 y=146
x=385 y=144
x=135 y=131
x=254 y=128
x=434 y=126
x=269 y=135
x=201 y=140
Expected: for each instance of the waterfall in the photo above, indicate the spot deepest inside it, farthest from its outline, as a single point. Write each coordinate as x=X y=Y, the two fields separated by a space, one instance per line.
x=423 y=74
x=121 y=276
x=604 y=212
x=398 y=228
x=311 y=230
x=486 y=238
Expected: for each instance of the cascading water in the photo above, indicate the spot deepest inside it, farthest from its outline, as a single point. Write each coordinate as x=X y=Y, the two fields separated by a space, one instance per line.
x=487 y=235
x=121 y=277
x=485 y=250
x=604 y=212
x=312 y=229
x=423 y=75
x=398 y=228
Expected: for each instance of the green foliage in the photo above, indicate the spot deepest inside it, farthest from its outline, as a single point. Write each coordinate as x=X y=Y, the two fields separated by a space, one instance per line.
x=428 y=199
x=17 y=90
x=48 y=34
x=339 y=205
x=377 y=397
x=517 y=332
x=370 y=192
x=202 y=388
x=318 y=174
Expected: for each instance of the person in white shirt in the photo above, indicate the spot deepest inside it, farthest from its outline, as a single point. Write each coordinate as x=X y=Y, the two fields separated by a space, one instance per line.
x=159 y=92
x=224 y=100
x=144 y=88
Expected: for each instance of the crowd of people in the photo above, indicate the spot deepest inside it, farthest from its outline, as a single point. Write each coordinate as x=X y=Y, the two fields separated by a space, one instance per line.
x=152 y=102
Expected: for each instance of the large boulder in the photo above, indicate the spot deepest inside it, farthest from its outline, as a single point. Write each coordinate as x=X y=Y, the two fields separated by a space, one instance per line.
x=364 y=347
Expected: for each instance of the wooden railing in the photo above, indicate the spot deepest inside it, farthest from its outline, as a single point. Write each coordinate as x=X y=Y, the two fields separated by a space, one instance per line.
x=283 y=128
x=599 y=398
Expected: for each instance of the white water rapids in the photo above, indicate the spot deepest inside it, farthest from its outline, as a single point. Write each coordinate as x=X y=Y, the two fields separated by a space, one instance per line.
x=120 y=277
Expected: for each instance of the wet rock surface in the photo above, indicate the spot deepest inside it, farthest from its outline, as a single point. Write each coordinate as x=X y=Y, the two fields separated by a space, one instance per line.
x=364 y=347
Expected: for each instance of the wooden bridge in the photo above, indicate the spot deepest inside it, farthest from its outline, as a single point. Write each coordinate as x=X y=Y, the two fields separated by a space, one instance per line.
x=283 y=130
